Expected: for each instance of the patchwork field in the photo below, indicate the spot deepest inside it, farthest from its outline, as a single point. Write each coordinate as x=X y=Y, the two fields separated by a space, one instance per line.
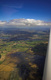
x=22 y=54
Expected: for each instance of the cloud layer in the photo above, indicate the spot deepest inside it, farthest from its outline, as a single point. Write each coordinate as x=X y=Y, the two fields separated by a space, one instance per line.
x=24 y=23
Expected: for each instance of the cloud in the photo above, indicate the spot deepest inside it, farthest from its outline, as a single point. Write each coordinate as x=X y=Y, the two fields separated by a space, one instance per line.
x=24 y=23
x=2 y=23
x=10 y=9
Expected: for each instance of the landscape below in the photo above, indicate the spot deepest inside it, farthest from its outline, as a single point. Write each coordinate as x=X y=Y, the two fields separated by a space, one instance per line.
x=22 y=53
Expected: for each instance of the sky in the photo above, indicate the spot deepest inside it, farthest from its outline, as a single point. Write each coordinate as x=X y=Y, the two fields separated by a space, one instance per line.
x=25 y=12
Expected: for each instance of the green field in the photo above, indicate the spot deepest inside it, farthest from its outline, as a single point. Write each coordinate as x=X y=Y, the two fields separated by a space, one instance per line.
x=17 y=56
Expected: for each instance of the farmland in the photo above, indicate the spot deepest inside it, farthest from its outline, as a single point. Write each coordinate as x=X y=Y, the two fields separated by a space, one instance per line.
x=18 y=59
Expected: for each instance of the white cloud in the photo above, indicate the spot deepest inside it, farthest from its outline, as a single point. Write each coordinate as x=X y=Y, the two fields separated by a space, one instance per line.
x=24 y=22
x=2 y=23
